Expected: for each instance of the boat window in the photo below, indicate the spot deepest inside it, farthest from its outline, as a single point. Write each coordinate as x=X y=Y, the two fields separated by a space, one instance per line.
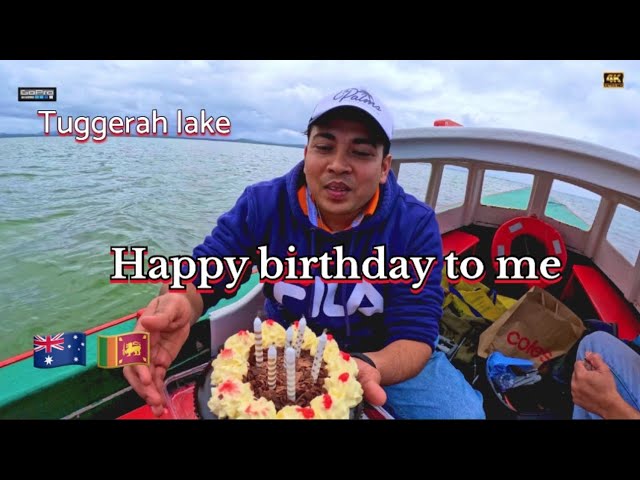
x=506 y=189
x=621 y=232
x=414 y=178
x=452 y=188
x=573 y=205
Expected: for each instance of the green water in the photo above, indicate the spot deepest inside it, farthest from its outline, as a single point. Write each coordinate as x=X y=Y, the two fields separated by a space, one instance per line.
x=519 y=199
x=63 y=204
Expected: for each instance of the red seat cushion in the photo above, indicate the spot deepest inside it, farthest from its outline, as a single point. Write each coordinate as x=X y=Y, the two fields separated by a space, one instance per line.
x=458 y=242
x=607 y=301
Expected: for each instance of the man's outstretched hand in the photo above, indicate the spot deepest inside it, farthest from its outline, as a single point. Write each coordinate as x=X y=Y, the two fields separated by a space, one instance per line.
x=167 y=318
x=370 y=378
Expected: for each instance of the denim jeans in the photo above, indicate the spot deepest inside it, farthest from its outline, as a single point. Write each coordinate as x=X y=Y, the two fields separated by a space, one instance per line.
x=439 y=391
x=623 y=362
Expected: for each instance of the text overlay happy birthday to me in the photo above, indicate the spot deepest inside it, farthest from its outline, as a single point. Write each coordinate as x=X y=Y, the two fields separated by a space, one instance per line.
x=334 y=267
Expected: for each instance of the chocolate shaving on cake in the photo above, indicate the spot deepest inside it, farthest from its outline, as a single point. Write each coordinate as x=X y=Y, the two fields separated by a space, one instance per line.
x=305 y=390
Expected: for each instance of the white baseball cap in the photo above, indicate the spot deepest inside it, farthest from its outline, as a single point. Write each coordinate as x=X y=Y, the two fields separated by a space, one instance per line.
x=358 y=98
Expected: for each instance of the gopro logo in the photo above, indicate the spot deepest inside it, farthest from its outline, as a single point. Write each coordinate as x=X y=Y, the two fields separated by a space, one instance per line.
x=37 y=94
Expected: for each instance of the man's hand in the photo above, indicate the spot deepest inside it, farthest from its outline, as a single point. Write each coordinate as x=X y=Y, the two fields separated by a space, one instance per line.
x=167 y=318
x=593 y=386
x=370 y=378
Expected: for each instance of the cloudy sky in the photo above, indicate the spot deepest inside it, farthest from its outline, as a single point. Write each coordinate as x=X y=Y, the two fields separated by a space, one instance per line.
x=272 y=100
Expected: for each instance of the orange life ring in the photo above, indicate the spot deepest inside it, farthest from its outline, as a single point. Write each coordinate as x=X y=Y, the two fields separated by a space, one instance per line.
x=541 y=231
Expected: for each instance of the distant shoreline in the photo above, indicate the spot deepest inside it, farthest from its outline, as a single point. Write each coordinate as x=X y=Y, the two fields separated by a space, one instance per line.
x=175 y=137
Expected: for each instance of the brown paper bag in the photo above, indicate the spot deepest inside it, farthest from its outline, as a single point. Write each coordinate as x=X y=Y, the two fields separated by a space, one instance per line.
x=538 y=327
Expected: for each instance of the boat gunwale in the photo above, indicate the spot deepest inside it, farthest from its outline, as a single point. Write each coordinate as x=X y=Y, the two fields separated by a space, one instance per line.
x=525 y=137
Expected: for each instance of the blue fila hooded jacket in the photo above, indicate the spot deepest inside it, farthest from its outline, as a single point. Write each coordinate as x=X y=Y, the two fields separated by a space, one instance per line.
x=361 y=315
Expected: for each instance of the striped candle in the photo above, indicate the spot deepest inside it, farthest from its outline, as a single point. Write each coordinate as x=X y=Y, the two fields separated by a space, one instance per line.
x=290 y=364
x=271 y=366
x=257 y=330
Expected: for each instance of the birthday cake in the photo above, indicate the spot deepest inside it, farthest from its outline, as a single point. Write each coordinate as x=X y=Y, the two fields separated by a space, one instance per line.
x=273 y=373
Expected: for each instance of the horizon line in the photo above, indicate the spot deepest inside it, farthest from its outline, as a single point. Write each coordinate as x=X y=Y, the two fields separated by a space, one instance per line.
x=174 y=136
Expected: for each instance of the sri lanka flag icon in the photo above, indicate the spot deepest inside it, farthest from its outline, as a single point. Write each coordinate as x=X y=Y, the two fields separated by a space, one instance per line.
x=116 y=351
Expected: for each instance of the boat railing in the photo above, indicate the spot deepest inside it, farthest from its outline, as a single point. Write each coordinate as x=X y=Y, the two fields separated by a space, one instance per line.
x=612 y=175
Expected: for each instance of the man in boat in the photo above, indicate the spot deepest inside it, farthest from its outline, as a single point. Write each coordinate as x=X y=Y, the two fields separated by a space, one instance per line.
x=342 y=193
x=606 y=379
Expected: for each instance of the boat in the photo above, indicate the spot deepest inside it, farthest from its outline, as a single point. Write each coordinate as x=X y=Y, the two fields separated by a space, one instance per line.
x=600 y=279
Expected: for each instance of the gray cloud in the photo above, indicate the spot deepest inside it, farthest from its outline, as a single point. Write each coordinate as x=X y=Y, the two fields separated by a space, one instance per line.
x=272 y=100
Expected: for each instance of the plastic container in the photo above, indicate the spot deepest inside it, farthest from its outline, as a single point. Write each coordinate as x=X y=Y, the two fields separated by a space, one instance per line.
x=180 y=392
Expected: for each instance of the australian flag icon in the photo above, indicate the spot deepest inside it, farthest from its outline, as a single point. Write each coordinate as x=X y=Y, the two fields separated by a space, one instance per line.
x=67 y=348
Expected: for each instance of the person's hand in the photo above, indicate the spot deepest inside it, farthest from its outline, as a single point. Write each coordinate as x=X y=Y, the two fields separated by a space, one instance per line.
x=593 y=386
x=167 y=319
x=369 y=378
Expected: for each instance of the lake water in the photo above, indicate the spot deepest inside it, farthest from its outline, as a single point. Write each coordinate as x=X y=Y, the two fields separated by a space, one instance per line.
x=63 y=204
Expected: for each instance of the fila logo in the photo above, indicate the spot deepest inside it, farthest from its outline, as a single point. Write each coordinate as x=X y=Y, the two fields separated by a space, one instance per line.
x=324 y=298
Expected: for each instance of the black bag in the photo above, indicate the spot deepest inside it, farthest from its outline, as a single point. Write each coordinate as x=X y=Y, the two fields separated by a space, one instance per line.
x=542 y=400
x=459 y=338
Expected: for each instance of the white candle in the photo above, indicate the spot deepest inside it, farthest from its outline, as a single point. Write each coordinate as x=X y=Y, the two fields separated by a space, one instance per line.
x=317 y=361
x=271 y=366
x=290 y=364
x=302 y=326
x=289 y=339
x=257 y=330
